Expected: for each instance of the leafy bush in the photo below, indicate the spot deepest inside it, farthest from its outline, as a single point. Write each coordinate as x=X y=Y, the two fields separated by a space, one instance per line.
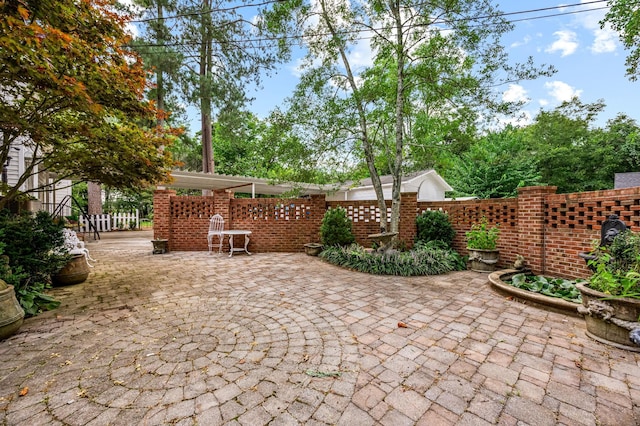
x=553 y=287
x=617 y=267
x=483 y=237
x=336 y=228
x=33 y=246
x=422 y=260
x=434 y=225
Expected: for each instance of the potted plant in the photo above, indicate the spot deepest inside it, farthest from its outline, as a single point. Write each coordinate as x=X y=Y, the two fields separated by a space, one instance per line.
x=611 y=297
x=482 y=241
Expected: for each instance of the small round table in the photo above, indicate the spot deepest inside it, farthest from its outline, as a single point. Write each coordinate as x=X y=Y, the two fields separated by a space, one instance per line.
x=233 y=232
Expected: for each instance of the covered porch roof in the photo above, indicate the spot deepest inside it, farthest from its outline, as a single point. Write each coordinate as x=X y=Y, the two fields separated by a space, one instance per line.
x=213 y=181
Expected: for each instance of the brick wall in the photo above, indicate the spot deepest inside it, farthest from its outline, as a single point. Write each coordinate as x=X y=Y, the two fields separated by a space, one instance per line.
x=548 y=229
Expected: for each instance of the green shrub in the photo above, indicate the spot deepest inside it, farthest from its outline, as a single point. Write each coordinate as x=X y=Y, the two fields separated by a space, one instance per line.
x=483 y=237
x=434 y=225
x=422 y=260
x=335 y=229
x=33 y=245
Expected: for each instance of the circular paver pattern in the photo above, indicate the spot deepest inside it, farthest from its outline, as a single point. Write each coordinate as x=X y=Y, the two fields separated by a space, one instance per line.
x=190 y=338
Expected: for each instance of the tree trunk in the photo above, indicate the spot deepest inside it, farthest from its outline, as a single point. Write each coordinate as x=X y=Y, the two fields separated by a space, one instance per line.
x=94 y=198
x=396 y=169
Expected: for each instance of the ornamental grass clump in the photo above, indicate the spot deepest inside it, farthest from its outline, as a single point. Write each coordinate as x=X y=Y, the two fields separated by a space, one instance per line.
x=422 y=260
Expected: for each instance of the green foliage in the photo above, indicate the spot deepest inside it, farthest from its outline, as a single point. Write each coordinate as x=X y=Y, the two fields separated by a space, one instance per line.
x=483 y=237
x=422 y=260
x=624 y=18
x=553 y=287
x=434 y=225
x=33 y=245
x=617 y=267
x=495 y=166
x=336 y=228
x=82 y=116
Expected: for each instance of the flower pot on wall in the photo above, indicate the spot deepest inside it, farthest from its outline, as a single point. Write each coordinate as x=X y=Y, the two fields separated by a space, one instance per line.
x=613 y=321
x=481 y=260
x=75 y=271
x=11 y=313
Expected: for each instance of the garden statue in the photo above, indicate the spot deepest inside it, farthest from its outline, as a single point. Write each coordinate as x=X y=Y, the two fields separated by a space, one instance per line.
x=608 y=231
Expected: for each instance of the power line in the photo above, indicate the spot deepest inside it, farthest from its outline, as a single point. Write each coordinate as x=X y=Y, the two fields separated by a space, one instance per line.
x=356 y=31
x=203 y=12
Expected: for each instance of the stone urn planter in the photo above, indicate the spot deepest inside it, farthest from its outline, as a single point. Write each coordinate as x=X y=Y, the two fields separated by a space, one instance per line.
x=613 y=321
x=75 y=271
x=160 y=246
x=483 y=260
x=313 y=249
x=11 y=313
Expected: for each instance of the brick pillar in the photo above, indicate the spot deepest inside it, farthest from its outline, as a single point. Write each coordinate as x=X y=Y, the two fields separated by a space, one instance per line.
x=531 y=225
x=222 y=205
x=408 y=211
x=162 y=213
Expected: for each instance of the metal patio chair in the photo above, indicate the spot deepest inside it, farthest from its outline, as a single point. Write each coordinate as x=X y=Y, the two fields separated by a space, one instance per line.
x=216 y=226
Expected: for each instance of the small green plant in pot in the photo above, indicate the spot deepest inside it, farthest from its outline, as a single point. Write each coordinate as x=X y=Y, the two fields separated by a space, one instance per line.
x=482 y=243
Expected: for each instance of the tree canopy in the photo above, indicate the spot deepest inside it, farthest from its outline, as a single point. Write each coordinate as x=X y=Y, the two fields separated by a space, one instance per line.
x=72 y=93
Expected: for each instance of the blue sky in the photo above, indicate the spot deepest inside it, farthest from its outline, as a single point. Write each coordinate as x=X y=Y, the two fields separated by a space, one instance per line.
x=589 y=61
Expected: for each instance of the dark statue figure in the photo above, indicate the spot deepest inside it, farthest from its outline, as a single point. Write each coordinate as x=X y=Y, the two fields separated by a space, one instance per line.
x=610 y=229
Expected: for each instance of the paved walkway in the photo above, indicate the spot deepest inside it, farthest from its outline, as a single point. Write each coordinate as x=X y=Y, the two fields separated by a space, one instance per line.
x=284 y=339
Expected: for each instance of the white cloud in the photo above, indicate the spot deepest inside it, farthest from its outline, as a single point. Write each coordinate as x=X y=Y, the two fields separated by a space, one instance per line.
x=566 y=43
x=604 y=42
x=515 y=93
x=561 y=91
x=522 y=42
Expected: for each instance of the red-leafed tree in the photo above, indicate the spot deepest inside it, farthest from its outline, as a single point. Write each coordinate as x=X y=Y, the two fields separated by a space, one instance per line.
x=74 y=94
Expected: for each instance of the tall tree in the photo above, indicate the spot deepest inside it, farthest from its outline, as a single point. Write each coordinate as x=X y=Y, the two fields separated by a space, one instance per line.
x=71 y=93
x=624 y=17
x=225 y=48
x=437 y=56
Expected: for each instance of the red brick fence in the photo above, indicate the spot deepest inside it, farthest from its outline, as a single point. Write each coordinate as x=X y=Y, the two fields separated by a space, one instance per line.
x=548 y=229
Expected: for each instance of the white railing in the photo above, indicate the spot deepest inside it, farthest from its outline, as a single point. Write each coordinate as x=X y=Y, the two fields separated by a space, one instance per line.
x=110 y=222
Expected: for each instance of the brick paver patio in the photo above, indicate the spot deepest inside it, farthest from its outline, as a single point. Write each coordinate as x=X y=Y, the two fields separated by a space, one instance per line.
x=282 y=339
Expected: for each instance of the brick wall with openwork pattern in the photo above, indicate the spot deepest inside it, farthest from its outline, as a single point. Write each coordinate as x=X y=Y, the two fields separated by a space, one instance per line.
x=548 y=229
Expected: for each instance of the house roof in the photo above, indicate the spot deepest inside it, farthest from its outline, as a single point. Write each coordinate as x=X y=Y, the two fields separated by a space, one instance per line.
x=407 y=180
x=626 y=180
x=213 y=181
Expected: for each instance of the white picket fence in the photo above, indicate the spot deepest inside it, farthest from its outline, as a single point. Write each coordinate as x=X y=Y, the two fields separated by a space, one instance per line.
x=110 y=222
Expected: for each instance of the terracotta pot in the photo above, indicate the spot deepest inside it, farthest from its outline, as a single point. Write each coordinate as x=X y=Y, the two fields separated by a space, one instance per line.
x=11 y=313
x=74 y=272
x=481 y=260
x=610 y=321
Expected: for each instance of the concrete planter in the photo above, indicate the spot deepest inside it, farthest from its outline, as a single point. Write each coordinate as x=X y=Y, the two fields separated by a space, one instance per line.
x=481 y=260
x=160 y=246
x=313 y=249
x=74 y=272
x=11 y=313
x=498 y=281
x=610 y=321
